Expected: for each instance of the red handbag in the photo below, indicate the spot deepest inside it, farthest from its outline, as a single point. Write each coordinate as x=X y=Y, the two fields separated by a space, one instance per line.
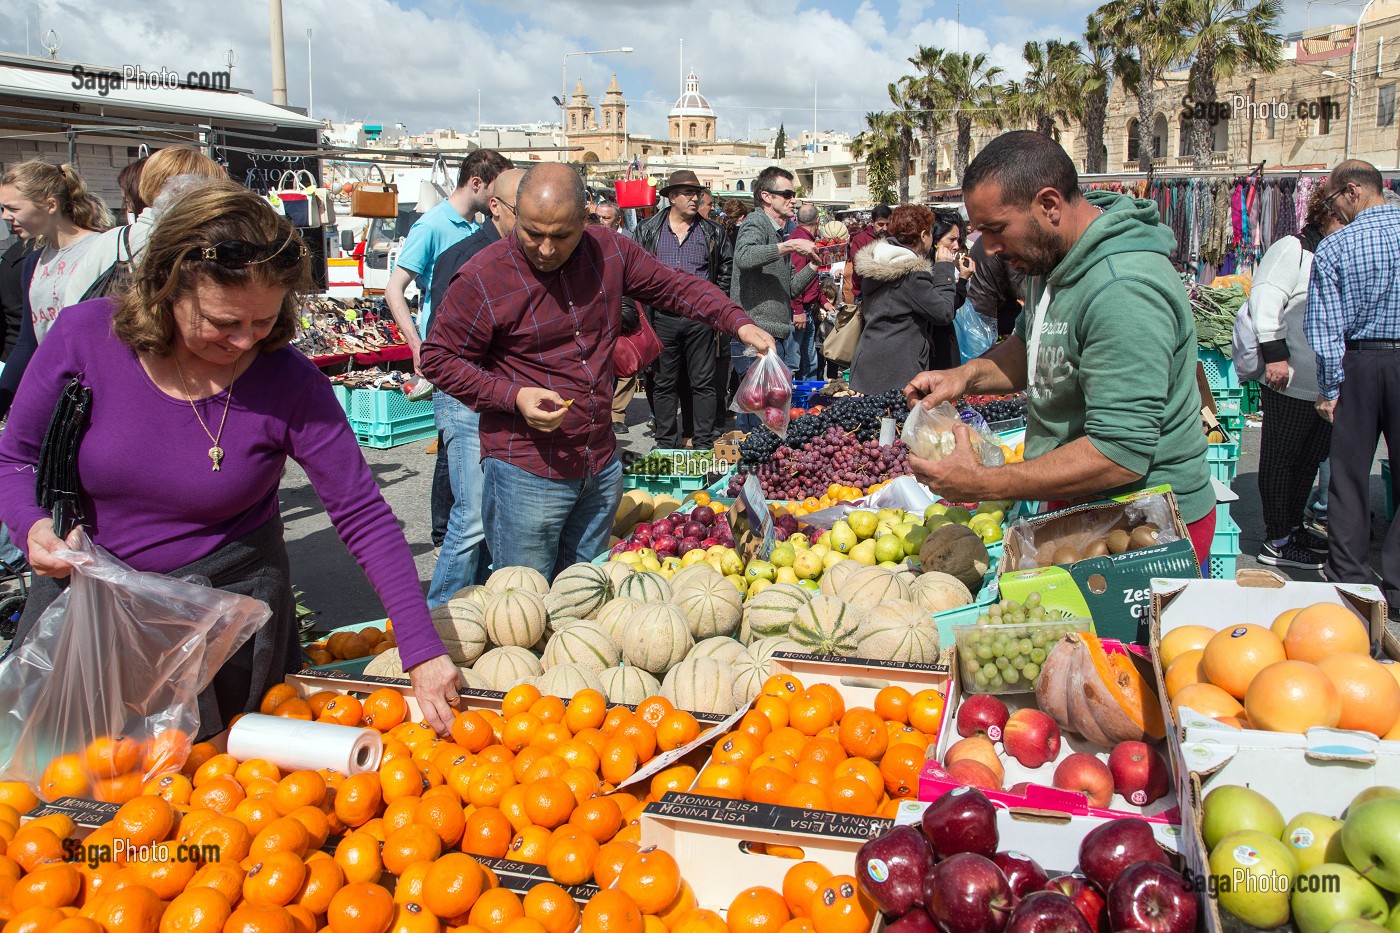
x=636 y=193
x=636 y=351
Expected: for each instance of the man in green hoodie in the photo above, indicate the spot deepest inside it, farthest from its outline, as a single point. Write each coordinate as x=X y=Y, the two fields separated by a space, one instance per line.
x=1105 y=348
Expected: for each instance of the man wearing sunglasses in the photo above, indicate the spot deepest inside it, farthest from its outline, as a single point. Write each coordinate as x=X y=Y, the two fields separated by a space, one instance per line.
x=764 y=283
x=1353 y=325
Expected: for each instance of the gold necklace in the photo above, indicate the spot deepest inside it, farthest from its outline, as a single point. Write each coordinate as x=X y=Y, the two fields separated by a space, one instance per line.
x=216 y=453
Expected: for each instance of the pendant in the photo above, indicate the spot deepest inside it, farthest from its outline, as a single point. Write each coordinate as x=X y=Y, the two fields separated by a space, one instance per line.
x=216 y=453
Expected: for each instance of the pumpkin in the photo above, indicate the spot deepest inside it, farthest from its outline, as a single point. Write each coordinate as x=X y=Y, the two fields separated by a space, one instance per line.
x=700 y=685
x=1098 y=695
x=387 y=664
x=835 y=575
x=898 y=630
x=565 y=680
x=722 y=648
x=646 y=587
x=518 y=578
x=617 y=571
x=503 y=668
x=771 y=612
x=515 y=617
x=580 y=591
x=751 y=668
x=461 y=626
x=939 y=592
x=826 y=626
x=628 y=684
x=695 y=572
x=711 y=604
x=867 y=587
x=476 y=593
x=584 y=644
x=613 y=617
x=657 y=638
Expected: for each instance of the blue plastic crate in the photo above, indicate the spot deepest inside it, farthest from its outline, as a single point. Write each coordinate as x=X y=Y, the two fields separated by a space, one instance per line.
x=1220 y=369
x=382 y=436
x=342 y=395
x=803 y=390
x=1227 y=538
x=1221 y=567
x=388 y=407
x=1223 y=460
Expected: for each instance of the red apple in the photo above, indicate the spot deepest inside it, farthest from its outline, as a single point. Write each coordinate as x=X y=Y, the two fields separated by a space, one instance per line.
x=1151 y=897
x=982 y=714
x=980 y=749
x=962 y=820
x=973 y=774
x=1031 y=737
x=1022 y=872
x=1109 y=849
x=891 y=869
x=1046 y=912
x=967 y=893
x=1085 y=773
x=1085 y=896
x=916 y=921
x=1140 y=775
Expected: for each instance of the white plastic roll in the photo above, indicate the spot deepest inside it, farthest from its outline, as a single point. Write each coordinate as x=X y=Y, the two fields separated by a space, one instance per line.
x=887 y=434
x=293 y=744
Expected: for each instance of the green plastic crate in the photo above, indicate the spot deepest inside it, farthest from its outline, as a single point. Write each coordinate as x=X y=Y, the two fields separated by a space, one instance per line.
x=1251 y=403
x=1220 y=369
x=1223 y=460
x=383 y=437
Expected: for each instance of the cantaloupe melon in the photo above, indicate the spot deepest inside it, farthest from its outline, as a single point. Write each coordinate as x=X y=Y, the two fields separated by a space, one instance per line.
x=388 y=664
x=826 y=626
x=722 y=648
x=628 y=684
x=517 y=578
x=836 y=574
x=770 y=613
x=471 y=679
x=564 y=680
x=617 y=571
x=751 y=668
x=584 y=644
x=939 y=592
x=646 y=587
x=615 y=615
x=505 y=667
x=700 y=685
x=711 y=604
x=476 y=593
x=460 y=623
x=898 y=630
x=656 y=638
x=867 y=587
x=580 y=591
x=515 y=617
x=699 y=570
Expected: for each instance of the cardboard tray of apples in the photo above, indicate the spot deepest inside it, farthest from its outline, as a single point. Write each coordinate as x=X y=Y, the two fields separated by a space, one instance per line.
x=1021 y=758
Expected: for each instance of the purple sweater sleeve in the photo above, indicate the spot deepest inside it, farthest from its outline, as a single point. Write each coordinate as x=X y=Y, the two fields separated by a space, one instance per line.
x=321 y=441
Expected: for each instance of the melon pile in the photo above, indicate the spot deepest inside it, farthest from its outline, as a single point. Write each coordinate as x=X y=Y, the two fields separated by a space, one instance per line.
x=692 y=639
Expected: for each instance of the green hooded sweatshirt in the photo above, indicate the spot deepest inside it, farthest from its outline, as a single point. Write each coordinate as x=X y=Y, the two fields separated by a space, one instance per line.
x=1116 y=357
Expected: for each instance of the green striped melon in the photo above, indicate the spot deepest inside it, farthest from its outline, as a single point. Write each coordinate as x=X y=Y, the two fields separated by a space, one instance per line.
x=388 y=664
x=711 y=604
x=565 y=680
x=867 y=587
x=835 y=575
x=700 y=685
x=751 y=668
x=476 y=593
x=646 y=587
x=617 y=571
x=770 y=613
x=696 y=571
x=826 y=626
x=628 y=684
x=460 y=623
x=615 y=615
x=584 y=644
x=939 y=592
x=656 y=638
x=581 y=590
x=503 y=668
x=515 y=617
x=518 y=578
x=899 y=630
x=722 y=648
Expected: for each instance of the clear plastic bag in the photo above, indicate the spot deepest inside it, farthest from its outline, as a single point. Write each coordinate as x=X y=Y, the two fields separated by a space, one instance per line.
x=928 y=433
x=107 y=684
x=766 y=391
x=976 y=333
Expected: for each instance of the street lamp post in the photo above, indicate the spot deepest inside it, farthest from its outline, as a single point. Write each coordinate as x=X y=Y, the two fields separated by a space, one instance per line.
x=1351 y=99
x=1351 y=92
x=564 y=85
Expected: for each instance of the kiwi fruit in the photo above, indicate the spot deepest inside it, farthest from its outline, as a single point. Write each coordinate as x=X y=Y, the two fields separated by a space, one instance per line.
x=1065 y=555
x=1143 y=536
x=1118 y=541
x=1097 y=549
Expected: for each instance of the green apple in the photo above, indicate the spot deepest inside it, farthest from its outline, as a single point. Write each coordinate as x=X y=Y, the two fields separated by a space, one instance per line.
x=889 y=548
x=741 y=584
x=783 y=555
x=799 y=541
x=760 y=570
x=808 y=565
x=812 y=585
x=833 y=558
x=958 y=514
x=1371 y=839
x=1378 y=792
x=841 y=537
x=1325 y=895
x=862 y=522
x=1308 y=834
x=864 y=552
x=1357 y=925
x=1231 y=808
x=938 y=508
x=1253 y=872
x=692 y=557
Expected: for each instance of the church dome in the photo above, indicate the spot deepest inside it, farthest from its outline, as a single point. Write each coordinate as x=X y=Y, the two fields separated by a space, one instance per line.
x=692 y=103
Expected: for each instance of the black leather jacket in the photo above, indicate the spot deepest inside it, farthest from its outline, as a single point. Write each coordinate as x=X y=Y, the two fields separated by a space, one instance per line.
x=720 y=247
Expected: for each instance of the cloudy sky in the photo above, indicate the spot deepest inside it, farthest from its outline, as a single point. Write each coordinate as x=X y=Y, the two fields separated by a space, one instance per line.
x=422 y=62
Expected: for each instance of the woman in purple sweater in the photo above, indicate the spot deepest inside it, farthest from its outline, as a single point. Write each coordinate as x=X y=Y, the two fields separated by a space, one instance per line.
x=197 y=402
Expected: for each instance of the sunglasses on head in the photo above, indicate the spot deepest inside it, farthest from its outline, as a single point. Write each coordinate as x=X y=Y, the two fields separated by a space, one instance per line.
x=235 y=254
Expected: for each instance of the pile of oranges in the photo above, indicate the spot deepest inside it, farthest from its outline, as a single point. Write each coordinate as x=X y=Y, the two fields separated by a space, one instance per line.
x=347 y=646
x=835 y=493
x=114 y=768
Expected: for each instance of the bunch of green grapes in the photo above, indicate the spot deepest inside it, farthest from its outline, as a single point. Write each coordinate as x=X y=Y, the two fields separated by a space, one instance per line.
x=1007 y=652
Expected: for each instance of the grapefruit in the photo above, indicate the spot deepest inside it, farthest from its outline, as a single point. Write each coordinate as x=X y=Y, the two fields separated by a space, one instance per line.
x=1185 y=670
x=1282 y=622
x=1292 y=696
x=1370 y=696
x=1181 y=640
x=1234 y=655
x=1208 y=700
x=1325 y=629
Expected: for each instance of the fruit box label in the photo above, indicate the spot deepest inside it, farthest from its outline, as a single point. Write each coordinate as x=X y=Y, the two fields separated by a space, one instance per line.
x=864 y=662
x=697 y=808
x=751 y=522
x=81 y=810
x=522 y=876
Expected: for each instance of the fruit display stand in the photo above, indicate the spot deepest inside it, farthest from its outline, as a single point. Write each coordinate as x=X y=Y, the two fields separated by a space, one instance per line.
x=351 y=666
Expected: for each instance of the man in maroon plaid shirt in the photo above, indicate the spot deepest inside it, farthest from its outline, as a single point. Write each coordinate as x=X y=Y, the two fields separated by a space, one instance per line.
x=525 y=336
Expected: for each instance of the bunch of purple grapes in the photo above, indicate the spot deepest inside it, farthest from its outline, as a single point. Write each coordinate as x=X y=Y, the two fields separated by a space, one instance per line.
x=836 y=456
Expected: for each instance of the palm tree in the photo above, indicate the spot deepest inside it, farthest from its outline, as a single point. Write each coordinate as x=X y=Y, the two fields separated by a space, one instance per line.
x=1051 y=84
x=1150 y=31
x=926 y=93
x=1219 y=37
x=904 y=121
x=1099 y=63
x=878 y=147
x=972 y=95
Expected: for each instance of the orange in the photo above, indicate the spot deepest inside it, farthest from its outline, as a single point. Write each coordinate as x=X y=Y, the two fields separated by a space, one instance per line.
x=359 y=858
x=611 y=857
x=618 y=760
x=409 y=886
x=360 y=908
x=453 y=884
x=317 y=701
x=736 y=748
x=612 y=911
x=800 y=885
x=758 y=725
x=651 y=878
x=683 y=904
x=721 y=781
x=384 y=709
x=441 y=813
x=410 y=844
x=200 y=752
x=806 y=796
x=275 y=880
x=599 y=818
x=1235 y=654
x=1370 y=696
x=519 y=699
x=357 y=799
x=167 y=877
x=926 y=711
x=676 y=778
x=487 y=833
x=784 y=687
x=230 y=836
x=788 y=741
x=299 y=789
x=283 y=834
x=399 y=814
x=676 y=729
x=700 y=921
x=109 y=756
x=549 y=709
x=400 y=777
x=530 y=845
x=584 y=783
x=892 y=703
x=570 y=857
x=34 y=920
x=862 y=770
x=343 y=711
x=852 y=795
x=224 y=877
x=653 y=709
x=519 y=729
x=551 y=905
x=1293 y=696
x=135 y=907
x=256 y=768
x=586 y=710
x=839 y=907
x=549 y=802
x=55 y=885
x=144 y=821
x=1208 y=700
x=1324 y=630
x=1186 y=669
x=295 y=709
x=324 y=877
x=773 y=709
x=32 y=846
x=766 y=785
x=798 y=925
x=900 y=769
x=494 y=909
x=197 y=910
x=523 y=925
x=757 y=910
x=863 y=733
x=641 y=734
x=64 y=777
x=810 y=713
x=471 y=731
x=251 y=918
x=275 y=696
x=833 y=696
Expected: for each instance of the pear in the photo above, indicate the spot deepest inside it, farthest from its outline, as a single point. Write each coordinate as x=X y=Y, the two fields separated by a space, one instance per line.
x=938 y=508
x=692 y=557
x=731 y=563
x=821 y=548
x=842 y=537
x=958 y=514
x=760 y=570
x=862 y=522
x=785 y=575
x=807 y=565
x=832 y=558
x=783 y=555
x=798 y=541
x=914 y=540
x=864 y=552
x=741 y=584
x=890 y=548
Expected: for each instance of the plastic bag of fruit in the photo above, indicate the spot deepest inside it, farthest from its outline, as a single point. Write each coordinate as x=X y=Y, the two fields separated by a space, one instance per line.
x=928 y=433
x=766 y=391
x=104 y=692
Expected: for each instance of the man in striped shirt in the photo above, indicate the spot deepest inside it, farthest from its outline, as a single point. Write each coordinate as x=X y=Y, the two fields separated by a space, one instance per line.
x=1353 y=325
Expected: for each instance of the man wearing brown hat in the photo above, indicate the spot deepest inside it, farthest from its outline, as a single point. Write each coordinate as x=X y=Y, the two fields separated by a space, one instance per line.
x=680 y=238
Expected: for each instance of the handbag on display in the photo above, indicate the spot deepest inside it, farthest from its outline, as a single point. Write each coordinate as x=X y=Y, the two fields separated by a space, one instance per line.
x=370 y=198
x=840 y=344
x=431 y=191
x=299 y=201
x=639 y=192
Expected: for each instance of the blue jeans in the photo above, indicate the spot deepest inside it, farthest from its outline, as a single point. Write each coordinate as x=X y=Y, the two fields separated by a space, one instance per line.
x=463 y=548
x=548 y=524
x=1318 y=500
x=804 y=343
x=787 y=350
x=9 y=553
